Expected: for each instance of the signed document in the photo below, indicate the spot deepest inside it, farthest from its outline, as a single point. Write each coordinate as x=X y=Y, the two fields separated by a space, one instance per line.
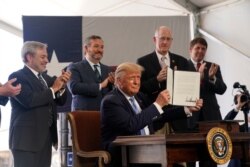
x=184 y=87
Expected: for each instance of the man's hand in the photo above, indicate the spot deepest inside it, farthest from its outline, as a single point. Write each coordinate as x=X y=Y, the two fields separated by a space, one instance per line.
x=201 y=70
x=212 y=71
x=239 y=104
x=162 y=74
x=163 y=98
x=9 y=90
x=197 y=107
x=111 y=77
x=61 y=81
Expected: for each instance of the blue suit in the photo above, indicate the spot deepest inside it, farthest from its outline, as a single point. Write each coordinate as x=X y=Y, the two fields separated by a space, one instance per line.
x=119 y=119
x=84 y=86
x=31 y=112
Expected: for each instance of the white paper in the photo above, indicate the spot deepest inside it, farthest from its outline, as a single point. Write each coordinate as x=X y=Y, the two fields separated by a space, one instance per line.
x=170 y=81
x=186 y=87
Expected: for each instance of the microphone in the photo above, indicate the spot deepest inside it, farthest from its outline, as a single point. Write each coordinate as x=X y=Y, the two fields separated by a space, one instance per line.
x=238 y=85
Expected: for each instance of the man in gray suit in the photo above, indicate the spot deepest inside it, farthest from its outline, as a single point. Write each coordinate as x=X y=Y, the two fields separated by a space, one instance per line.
x=7 y=90
x=91 y=80
x=33 y=124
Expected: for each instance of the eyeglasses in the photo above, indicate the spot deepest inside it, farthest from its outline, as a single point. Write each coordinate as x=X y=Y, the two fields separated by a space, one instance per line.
x=165 y=38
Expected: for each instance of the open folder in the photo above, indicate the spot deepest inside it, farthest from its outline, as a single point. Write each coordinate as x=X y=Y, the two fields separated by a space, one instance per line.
x=183 y=86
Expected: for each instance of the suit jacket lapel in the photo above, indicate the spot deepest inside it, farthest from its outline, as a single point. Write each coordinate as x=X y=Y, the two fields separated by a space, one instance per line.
x=155 y=62
x=124 y=101
x=32 y=77
x=191 y=65
x=87 y=69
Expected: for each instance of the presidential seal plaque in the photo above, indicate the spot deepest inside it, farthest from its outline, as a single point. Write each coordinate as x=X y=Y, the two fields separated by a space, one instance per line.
x=219 y=145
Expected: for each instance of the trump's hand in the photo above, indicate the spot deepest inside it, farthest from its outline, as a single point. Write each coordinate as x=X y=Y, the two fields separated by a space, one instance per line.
x=163 y=98
x=197 y=107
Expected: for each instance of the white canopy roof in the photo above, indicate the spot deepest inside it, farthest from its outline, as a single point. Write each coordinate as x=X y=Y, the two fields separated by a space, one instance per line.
x=11 y=11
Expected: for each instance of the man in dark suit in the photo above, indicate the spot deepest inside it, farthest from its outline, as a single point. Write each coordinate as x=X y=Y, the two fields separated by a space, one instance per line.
x=211 y=84
x=91 y=80
x=155 y=64
x=125 y=111
x=7 y=90
x=33 y=124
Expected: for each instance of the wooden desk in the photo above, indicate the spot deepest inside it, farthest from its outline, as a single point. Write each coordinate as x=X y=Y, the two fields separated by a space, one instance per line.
x=142 y=149
x=176 y=148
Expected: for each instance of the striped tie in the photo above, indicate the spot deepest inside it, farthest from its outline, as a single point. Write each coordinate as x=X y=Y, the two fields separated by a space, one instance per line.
x=45 y=86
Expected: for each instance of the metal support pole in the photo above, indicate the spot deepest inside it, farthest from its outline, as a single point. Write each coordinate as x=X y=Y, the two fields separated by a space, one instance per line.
x=63 y=133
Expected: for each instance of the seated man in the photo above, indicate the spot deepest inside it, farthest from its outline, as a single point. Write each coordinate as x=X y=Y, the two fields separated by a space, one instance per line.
x=125 y=111
x=240 y=105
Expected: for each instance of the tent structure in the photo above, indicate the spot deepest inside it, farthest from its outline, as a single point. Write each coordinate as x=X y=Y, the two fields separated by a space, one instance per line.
x=224 y=23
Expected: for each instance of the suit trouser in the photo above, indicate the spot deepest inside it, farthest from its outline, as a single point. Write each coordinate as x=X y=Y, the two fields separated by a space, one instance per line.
x=42 y=158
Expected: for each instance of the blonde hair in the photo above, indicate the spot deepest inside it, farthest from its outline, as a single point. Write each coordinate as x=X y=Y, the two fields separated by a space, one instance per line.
x=127 y=67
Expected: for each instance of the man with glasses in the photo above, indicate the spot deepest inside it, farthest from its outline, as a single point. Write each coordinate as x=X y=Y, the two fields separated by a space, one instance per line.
x=155 y=64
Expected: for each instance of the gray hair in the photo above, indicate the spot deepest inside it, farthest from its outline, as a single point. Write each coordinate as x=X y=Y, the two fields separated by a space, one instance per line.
x=161 y=27
x=30 y=47
x=92 y=37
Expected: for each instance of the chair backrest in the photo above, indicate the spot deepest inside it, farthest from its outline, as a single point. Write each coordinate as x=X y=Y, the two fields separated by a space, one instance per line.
x=86 y=130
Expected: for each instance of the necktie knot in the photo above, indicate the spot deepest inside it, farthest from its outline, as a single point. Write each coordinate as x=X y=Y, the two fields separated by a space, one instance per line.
x=198 y=66
x=164 y=61
x=97 y=73
x=42 y=81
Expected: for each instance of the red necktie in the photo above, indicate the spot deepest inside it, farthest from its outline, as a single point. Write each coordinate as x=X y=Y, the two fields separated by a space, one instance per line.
x=198 y=66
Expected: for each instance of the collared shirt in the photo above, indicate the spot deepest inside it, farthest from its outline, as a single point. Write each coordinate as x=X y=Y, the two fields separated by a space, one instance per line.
x=195 y=65
x=92 y=65
x=163 y=62
x=98 y=68
x=146 y=129
x=36 y=74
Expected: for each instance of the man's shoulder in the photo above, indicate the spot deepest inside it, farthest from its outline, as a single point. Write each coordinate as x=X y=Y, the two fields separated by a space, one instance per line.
x=146 y=57
x=17 y=73
x=111 y=96
x=177 y=56
x=105 y=66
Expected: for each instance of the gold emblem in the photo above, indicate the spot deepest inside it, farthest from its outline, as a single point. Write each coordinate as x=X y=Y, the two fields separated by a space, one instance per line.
x=219 y=145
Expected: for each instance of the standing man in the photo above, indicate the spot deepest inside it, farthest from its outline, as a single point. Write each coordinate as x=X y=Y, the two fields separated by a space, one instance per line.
x=33 y=124
x=7 y=90
x=155 y=64
x=126 y=111
x=211 y=84
x=91 y=80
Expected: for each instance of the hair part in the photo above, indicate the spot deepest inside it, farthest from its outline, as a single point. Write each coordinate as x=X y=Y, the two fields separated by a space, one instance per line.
x=30 y=48
x=92 y=37
x=127 y=67
x=161 y=27
x=198 y=40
